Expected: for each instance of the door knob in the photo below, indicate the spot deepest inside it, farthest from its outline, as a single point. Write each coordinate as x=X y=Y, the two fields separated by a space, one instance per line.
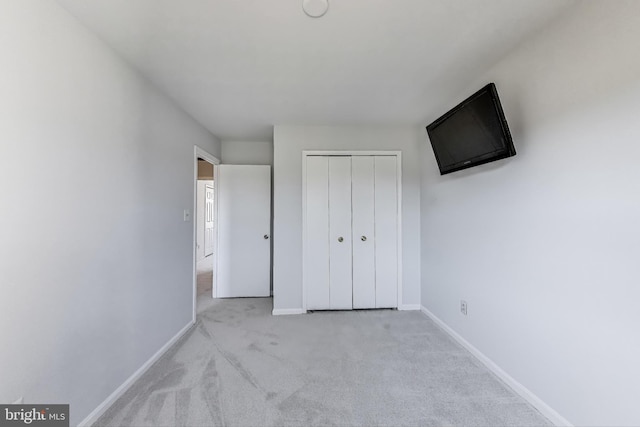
x=363 y=238
x=340 y=239
x=266 y=236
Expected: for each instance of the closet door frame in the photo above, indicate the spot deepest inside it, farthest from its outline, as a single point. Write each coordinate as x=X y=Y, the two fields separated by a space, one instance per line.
x=308 y=153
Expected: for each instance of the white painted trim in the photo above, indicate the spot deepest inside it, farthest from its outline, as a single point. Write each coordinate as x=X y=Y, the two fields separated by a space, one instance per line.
x=409 y=307
x=521 y=390
x=304 y=227
x=351 y=153
x=287 y=311
x=399 y=225
x=199 y=152
x=101 y=409
x=398 y=155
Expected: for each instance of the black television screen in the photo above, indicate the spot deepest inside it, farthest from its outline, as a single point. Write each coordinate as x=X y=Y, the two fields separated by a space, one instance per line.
x=472 y=133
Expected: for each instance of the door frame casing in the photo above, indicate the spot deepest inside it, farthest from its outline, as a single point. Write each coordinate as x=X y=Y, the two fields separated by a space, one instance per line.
x=203 y=154
x=309 y=153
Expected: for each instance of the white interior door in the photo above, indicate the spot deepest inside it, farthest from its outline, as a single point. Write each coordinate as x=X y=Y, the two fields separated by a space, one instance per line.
x=363 y=218
x=316 y=269
x=208 y=220
x=340 y=281
x=244 y=249
x=386 y=232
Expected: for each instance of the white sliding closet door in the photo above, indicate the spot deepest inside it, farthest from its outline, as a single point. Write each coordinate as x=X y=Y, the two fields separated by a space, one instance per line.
x=340 y=281
x=363 y=219
x=316 y=269
x=386 y=232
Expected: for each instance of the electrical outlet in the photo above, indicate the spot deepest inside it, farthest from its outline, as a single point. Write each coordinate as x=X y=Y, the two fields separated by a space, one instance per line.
x=463 y=307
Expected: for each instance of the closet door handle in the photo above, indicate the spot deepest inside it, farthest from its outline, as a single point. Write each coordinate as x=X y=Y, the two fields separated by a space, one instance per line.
x=340 y=239
x=363 y=238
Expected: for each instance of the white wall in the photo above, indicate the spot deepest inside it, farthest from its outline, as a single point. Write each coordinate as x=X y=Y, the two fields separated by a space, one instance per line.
x=545 y=246
x=96 y=274
x=289 y=142
x=247 y=153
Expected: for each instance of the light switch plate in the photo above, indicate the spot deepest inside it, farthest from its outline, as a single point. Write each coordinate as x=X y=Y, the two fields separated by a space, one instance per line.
x=187 y=215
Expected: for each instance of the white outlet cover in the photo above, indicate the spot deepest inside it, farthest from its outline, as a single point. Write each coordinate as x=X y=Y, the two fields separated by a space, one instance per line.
x=315 y=8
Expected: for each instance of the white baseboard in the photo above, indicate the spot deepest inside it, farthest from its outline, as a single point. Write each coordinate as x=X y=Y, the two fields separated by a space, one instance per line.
x=97 y=413
x=525 y=393
x=286 y=311
x=409 y=307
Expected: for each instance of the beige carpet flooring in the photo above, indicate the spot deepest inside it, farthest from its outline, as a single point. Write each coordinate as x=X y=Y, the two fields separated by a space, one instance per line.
x=241 y=366
x=204 y=277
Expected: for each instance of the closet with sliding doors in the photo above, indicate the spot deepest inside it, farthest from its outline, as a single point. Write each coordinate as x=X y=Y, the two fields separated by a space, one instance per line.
x=351 y=231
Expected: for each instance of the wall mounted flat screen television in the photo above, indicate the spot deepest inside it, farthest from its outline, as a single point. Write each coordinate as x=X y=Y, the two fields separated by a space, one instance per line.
x=473 y=133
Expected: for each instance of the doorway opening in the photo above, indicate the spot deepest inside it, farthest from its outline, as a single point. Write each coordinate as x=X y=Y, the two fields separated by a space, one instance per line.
x=205 y=229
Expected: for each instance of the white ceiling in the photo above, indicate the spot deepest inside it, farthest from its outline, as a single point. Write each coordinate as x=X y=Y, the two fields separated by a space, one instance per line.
x=241 y=66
